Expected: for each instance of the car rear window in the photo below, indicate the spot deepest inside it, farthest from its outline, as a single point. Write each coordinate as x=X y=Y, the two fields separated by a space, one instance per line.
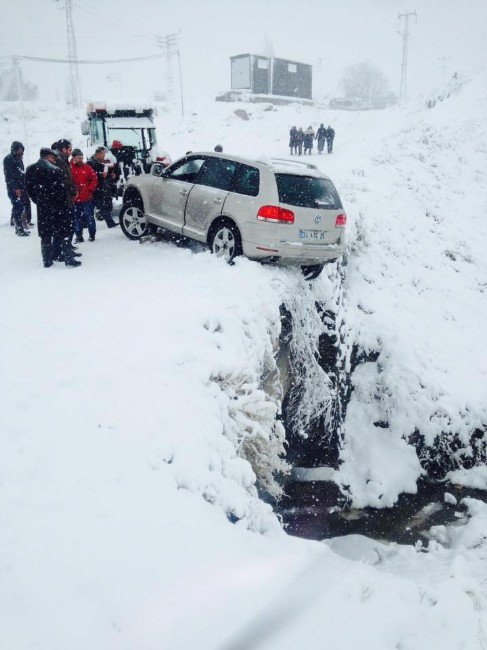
x=307 y=192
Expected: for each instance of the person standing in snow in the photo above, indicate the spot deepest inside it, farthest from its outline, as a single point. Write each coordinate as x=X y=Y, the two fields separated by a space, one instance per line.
x=85 y=181
x=330 y=136
x=309 y=137
x=292 y=140
x=13 y=167
x=46 y=186
x=102 y=198
x=62 y=149
x=321 y=137
x=299 y=141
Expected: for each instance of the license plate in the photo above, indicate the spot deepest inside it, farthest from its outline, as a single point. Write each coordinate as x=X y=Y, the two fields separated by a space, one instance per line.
x=313 y=235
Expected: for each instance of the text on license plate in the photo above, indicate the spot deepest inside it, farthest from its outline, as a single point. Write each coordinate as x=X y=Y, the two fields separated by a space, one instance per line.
x=315 y=235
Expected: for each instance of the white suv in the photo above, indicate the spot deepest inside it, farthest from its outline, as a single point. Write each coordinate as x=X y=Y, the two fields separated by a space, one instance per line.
x=273 y=210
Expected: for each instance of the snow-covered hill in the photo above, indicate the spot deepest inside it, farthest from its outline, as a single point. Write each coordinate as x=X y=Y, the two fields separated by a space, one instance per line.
x=142 y=397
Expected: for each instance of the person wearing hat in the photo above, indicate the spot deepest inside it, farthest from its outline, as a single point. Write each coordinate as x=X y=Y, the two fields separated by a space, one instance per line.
x=46 y=186
x=85 y=181
x=13 y=167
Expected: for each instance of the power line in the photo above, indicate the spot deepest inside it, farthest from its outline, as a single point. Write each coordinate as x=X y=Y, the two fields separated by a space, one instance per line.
x=107 y=16
x=44 y=59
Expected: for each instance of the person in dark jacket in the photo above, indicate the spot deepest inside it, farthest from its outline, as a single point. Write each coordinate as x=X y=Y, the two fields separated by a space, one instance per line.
x=293 y=147
x=299 y=141
x=46 y=186
x=309 y=137
x=13 y=167
x=63 y=149
x=330 y=136
x=102 y=198
x=321 y=137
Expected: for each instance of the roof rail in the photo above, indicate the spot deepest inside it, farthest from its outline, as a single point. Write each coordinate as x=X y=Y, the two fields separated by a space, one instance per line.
x=286 y=161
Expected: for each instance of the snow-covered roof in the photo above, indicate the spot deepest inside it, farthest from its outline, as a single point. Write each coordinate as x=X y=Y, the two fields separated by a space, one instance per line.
x=286 y=166
x=112 y=107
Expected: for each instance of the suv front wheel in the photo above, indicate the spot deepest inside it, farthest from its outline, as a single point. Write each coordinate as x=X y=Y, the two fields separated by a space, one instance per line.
x=133 y=222
x=225 y=241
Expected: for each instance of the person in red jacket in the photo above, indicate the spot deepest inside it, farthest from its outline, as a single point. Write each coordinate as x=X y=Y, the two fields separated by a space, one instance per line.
x=85 y=181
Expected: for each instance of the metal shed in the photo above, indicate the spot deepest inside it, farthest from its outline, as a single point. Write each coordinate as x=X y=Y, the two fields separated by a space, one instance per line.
x=271 y=76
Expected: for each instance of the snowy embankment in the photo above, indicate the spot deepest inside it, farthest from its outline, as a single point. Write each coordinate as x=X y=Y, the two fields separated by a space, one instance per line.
x=138 y=388
x=414 y=184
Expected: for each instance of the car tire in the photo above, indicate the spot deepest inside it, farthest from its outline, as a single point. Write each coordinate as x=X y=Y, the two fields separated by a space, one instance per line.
x=225 y=240
x=312 y=272
x=133 y=222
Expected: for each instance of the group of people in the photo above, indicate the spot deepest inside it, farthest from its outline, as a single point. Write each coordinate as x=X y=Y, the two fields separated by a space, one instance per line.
x=66 y=191
x=302 y=140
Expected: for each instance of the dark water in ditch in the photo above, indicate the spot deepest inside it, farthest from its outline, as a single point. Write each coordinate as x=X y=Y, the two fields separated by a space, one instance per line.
x=317 y=510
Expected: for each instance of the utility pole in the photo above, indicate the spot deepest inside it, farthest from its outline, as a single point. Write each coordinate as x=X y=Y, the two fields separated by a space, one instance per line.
x=16 y=66
x=405 y=43
x=170 y=45
x=74 y=83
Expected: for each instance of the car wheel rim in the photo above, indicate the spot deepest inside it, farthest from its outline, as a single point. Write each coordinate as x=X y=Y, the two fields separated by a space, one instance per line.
x=224 y=244
x=134 y=222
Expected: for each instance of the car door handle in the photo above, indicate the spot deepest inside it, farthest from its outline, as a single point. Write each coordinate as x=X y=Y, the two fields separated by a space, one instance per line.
x=184 y=192
x=218 y=200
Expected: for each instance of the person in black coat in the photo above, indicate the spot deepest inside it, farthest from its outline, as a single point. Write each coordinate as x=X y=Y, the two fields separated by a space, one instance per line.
x=63 y=150
x=321 y=137
x=309 y=136
x=330 y=136
x=46 y=186
x=102 y=198
x=13 y=167
x=293 y=147
x=299 y=141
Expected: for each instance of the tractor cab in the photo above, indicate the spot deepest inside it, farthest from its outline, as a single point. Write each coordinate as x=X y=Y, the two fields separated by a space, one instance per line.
x=128 y=132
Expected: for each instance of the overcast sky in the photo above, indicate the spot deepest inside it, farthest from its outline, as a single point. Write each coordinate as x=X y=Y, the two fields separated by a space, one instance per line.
x=450 y=35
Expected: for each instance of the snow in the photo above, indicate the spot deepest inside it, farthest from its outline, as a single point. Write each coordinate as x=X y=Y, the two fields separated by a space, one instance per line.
x=141 y=395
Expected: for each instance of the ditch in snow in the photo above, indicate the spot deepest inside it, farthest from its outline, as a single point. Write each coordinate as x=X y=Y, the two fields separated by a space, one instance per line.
x=313 y=413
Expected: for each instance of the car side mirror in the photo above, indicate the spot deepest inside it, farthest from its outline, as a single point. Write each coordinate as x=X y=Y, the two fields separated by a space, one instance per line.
x=85 y=127
x=157 y=170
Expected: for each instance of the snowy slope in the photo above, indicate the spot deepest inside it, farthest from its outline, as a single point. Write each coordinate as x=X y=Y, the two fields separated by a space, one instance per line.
x=137 y=388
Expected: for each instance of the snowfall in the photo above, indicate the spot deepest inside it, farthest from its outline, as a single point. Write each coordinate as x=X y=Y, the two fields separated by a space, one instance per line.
x=141 y=438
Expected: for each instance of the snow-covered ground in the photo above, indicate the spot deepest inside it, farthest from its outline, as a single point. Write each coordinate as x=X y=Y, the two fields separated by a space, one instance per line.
x=141 y=394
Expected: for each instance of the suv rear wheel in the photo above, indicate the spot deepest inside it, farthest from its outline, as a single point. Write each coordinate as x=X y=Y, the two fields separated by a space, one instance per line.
x=133 y=221
x=225 y=240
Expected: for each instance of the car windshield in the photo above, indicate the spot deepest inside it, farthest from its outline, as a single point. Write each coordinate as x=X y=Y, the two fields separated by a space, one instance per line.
x=307 y=192
x=131 y=137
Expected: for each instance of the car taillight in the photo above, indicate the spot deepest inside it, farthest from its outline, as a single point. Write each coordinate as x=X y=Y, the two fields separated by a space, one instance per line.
x=275 y=214
x=341 y=220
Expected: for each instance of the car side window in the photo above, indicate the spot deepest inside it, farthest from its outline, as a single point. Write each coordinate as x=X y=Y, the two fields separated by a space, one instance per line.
x=217 y=172
x=246 y=180
x=186 y=170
